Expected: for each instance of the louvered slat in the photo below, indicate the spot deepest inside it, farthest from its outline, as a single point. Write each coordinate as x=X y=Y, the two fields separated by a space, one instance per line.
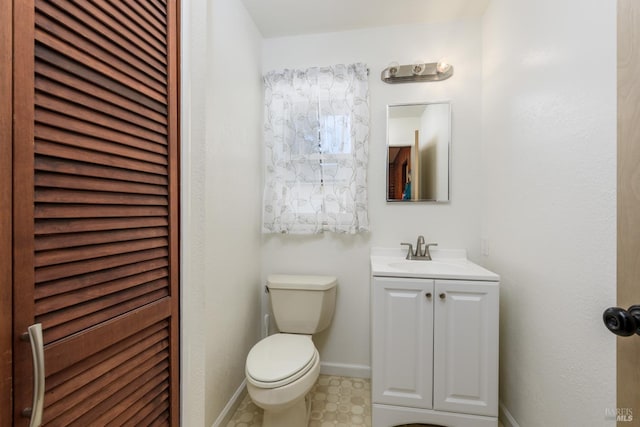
x=89 y=101
x=98 y=94
x=140 y=22
x=111 y=277
x=45 y=274
x=80 y=383
x=92 y=399
x=97 y=25
x=159 y=6
x=56 y=180
x=139 y=33
x=118 y=173
x=61 y=301
x=142 y=407
x=67 y=255
x=81 y=71
x=96 y=211
x=78 y=55
x=54 y=226
x=98 y=118
x=123 y=389
x=82 y=159
x=157 y=413
x=77 y=46
x=121 y=32
x=105 y=301
x=73 y=125
x=119 y=307
x=162 y=418
x=92 y=42
x=150 y=18
x=62 y=369
x=116 y=409
x=157 y=14
x=71 y=240
x=77 y=374
x=97 y=198
x=84 y=400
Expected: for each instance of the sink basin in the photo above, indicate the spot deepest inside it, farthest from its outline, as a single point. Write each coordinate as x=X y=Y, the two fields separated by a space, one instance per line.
x=427 y=267
x=446 y=264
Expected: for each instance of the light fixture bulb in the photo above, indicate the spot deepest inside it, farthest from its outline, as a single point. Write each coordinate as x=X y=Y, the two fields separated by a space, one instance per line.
x=418 y=68
x=393 y=68
x=442 y=66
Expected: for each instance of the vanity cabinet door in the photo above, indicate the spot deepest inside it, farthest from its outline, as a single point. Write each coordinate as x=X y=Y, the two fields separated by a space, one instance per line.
x=402 y=342
x=466 y=343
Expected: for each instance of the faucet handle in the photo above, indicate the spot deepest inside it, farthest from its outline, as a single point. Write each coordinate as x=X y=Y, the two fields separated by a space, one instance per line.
x=427 y=252
x=410 y=253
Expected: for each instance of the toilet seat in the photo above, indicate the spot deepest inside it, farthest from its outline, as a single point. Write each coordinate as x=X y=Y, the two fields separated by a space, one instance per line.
x=280 y=359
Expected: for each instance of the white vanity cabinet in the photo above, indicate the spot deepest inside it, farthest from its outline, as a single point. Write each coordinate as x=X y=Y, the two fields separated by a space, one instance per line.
x=465 y=347
x=434 y=351
x=402 y=342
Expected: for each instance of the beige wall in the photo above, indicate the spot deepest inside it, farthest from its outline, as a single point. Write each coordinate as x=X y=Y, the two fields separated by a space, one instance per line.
x=192 y=140
x=549 y=145
x=233 y=200
x=222 y=179
x=345 y=345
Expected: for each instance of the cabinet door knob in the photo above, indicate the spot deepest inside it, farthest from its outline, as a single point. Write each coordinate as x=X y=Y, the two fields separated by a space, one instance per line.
x=443 y=295
x=428 y=294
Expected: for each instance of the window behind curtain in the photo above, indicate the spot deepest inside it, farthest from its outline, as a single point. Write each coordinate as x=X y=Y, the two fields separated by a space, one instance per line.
x=316 y=135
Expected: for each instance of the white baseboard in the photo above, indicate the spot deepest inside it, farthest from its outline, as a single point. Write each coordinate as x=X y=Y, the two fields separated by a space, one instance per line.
x=232 y=405
x=345 y=370
x=505 y=417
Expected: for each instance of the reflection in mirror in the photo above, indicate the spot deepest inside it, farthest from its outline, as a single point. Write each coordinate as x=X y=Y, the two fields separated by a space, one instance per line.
x=418 y=152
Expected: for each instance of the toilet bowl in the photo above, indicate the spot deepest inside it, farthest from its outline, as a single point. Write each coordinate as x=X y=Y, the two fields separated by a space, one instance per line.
x=282 y=368
x=280 y=371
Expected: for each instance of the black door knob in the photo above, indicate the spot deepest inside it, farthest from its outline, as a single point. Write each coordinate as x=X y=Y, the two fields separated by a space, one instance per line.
x=622 y=322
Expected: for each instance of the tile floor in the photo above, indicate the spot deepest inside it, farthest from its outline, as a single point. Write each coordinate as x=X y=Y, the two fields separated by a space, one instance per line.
x=335 y=402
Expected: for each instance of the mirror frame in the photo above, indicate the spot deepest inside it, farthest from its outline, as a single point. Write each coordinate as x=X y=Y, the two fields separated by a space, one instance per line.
x=410 y=104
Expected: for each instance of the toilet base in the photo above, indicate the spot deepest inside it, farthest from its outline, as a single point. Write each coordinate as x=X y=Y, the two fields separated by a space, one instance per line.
x=294 y=416
x=288 y=405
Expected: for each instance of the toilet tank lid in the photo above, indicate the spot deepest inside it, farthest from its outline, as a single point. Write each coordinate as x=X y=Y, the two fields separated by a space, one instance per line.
x=303 y=282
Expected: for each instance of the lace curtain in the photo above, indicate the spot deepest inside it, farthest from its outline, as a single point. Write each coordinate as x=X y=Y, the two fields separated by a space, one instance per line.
x=316 y=134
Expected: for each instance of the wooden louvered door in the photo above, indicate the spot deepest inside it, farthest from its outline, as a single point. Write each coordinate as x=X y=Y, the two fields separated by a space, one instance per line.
x=95 y=209
x=6 y=114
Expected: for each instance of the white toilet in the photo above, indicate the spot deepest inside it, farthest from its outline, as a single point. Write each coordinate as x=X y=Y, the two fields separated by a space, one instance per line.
x=282 y=368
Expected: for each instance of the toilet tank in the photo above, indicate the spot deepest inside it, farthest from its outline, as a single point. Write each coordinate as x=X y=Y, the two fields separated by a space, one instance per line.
x=302 y=304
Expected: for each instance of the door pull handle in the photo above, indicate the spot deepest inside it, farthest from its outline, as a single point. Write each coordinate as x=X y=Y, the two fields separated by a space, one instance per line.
x=622 y=322
x=37 y=351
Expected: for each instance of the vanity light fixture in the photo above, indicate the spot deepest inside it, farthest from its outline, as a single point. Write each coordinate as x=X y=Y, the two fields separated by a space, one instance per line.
x=418 y=72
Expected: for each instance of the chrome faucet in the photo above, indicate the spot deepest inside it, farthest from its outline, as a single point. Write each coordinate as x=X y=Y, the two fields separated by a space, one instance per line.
x=419 y=253
x=419 y=243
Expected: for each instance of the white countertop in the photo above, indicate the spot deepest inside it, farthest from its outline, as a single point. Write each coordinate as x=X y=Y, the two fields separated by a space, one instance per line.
x=446 y=264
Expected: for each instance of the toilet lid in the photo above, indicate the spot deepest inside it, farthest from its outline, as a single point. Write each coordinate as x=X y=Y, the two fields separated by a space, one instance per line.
x=280 y=359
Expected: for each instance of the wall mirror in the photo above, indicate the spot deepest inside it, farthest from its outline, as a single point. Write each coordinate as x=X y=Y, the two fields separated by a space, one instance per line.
x=418 y=152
